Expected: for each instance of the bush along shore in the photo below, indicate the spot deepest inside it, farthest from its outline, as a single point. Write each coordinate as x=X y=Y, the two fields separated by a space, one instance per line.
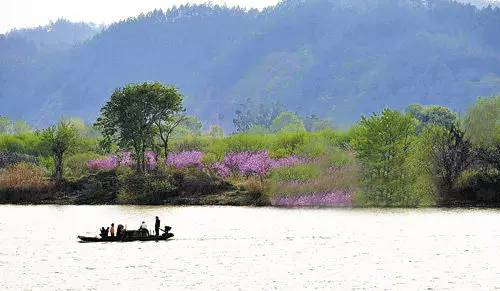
x=143 y=149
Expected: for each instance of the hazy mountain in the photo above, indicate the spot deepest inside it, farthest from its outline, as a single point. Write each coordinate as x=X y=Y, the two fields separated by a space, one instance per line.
x=337 y=58
x=56 y=36
x=482 y=3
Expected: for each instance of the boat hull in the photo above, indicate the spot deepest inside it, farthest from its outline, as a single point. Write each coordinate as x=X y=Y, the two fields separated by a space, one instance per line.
x=116 y=239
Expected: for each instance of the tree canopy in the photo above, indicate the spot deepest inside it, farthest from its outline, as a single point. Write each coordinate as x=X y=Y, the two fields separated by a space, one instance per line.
x=136 y=112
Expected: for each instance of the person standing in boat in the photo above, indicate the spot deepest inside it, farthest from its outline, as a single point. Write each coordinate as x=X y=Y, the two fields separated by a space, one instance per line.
x=112 y=230
x=157 y=226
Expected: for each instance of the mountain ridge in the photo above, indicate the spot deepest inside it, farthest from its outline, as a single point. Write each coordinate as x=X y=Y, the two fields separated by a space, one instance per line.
x=338 y=59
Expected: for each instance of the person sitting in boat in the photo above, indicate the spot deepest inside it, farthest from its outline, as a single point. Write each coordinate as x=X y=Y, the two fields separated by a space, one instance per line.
x=112 y=230
x=119 y=230
x=104 y=231
x=144 y=228
x=167 y=229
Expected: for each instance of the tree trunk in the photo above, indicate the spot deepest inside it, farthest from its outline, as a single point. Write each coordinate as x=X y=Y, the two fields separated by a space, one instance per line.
x=165 y=151
x=58 y=173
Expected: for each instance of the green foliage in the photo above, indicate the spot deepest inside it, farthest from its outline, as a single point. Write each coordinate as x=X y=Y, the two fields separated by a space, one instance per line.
x=11 y=127
x=258 y=129
x=144 y=189
x=305 y=172
x=287 y=121
x=135 y=113
x=252 y=114
x=482 y=122
x=382 y=143
x=287 y=143
x=239 y=143
x=315 y=123
x=432 y=115
x=190 y=143
x=216 y=131
x=59 y=140
x=338 y=158
x=189 y=125
x=25 y=143
x=76 y=165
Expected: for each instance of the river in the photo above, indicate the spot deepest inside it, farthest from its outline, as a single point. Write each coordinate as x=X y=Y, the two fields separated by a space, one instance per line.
x=238 y=248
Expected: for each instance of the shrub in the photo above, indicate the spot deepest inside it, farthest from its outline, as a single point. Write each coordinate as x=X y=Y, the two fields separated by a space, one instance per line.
x=23 y=176
x=339 y=158
x=287 y=144
x=185 y=159
x=77 y=165
x=190 y=143
x=255 y=189
x=25 y=143
x=7 y=159
x=144 y=189
x=304 y=172
x=240 y=143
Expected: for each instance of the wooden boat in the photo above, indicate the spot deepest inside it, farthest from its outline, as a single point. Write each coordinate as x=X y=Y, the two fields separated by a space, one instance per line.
x=128 y=235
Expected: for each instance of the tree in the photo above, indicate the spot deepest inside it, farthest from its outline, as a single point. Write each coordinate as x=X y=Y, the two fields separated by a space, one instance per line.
x=189 y=125
x=252 y=114
x=287 y=121
x=382 y=143
x=136 y=113
x=482 y=123
x=448 y=154
x=166 y=127
x=5 y=125
x=315 y=123
x=216 y=131
x=432 y=114
x=59 y=140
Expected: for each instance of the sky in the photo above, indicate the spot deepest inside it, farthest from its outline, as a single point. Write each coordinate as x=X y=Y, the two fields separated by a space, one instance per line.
x=31 y=13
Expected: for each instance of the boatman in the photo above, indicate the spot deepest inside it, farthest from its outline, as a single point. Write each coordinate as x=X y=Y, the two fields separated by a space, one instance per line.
x=157 y=226
x=112 y=230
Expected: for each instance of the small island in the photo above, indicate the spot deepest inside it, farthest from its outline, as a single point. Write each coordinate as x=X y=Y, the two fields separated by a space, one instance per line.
x=144 y=149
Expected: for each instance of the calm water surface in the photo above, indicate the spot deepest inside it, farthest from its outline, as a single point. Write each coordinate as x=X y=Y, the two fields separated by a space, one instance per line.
x=218 y=248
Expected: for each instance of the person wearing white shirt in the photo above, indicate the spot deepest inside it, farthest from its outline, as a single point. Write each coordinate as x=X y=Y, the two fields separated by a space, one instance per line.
x=144 y=227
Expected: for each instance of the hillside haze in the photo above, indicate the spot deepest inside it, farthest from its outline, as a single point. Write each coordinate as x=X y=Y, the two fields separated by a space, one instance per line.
x=336 y=59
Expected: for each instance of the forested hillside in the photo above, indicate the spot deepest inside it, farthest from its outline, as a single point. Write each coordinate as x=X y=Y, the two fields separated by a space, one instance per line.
x=336 y=59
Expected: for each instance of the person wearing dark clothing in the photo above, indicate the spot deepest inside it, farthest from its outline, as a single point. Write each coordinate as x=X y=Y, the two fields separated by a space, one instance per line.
x=119 y=230
x=167 y=229
x=157 y=226
x=104 y=231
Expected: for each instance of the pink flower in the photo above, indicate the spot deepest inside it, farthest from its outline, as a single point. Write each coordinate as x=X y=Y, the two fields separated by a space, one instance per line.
x=257 y=163
x=108 y=163
x=185 y=159
x=221 y=170
x=151 y=159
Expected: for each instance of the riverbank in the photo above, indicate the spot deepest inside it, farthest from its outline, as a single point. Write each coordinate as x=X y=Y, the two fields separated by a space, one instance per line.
x=119 y=188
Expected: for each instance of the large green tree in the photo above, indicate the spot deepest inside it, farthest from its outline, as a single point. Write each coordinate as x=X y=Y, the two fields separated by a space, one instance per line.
x=59 y=140
x=136 y=113
x=432 y=114
x=382 y=143
x=482 y=122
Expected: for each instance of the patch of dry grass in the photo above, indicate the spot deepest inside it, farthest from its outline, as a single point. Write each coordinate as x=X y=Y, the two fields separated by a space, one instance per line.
x=24 y=177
